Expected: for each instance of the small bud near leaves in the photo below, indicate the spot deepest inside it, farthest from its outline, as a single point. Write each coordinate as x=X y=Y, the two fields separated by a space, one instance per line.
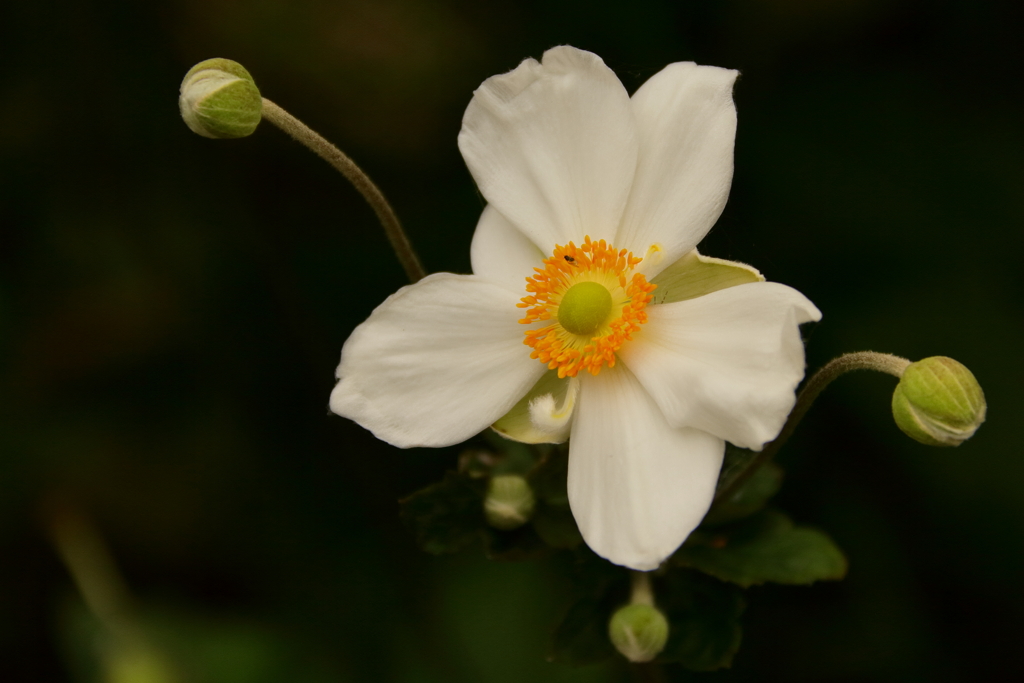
x=219 y=99
x=509 y=502
x=938 y=402
x=638 y=631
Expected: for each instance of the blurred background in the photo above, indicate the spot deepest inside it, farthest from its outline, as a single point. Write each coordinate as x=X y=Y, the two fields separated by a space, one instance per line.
x=172 y=310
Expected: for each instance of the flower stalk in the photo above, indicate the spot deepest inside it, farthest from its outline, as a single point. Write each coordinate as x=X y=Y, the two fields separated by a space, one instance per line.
x=355 y=175
x=641 y=592
x=859 y=360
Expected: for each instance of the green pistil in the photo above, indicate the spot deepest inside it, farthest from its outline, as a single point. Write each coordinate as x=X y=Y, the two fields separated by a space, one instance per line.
x=584 y=307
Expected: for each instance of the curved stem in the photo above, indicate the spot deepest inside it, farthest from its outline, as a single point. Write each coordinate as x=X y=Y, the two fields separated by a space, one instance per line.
x=355 y=175
x=860 y=360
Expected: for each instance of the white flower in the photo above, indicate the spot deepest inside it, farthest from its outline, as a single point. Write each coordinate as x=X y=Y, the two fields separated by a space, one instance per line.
x=587 y=185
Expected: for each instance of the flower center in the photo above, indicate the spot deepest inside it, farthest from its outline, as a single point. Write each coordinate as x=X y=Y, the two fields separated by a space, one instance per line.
x=584 y=307
x=596 y=299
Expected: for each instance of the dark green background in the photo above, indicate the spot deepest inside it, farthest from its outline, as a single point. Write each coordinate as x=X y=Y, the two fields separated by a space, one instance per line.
x=172 y=308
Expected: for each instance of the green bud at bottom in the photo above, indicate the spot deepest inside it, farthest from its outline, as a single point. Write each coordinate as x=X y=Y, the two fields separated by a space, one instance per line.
x=509 y=502
x=938 y=402
x=638 y=631
x=219 y=99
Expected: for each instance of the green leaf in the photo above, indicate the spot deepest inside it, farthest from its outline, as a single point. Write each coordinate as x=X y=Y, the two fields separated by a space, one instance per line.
x=761 y=548
x=553 y=519
x=582 y=637
x=704 y=620
x=446 y=516
x=514 y=457
x=751 y=496
x=548 y=478
x=600 y=587
x=556 y=526
x=518 y=544
x=703 y=616
x=478 y=463
x=734 y=463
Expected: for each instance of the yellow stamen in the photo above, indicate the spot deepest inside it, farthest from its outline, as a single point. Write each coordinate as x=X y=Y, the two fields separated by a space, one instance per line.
x=591 y=262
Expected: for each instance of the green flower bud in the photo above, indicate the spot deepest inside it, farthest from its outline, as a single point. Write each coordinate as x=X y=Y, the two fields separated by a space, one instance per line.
x=509 y=502
x=938 y=402
x=219 y=99
x=638 y=631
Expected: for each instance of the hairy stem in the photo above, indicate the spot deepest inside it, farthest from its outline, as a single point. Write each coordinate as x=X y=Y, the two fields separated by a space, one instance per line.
x=355 y=175
x=860 y=360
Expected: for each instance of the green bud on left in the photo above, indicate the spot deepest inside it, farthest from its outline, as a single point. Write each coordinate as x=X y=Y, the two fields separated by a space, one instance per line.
x=219 y=99
x=938 y=402
x=638 y=631
x=509 y=502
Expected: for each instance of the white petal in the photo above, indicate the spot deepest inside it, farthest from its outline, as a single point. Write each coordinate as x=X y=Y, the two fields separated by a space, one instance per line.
x=637 y=486
x=436 y=363
x=553 y=147
x=728 y=362
x=686 y=123
x=502 y=254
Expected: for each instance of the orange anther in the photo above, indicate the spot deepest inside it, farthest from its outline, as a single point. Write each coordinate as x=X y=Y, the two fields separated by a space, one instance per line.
x=590 y=262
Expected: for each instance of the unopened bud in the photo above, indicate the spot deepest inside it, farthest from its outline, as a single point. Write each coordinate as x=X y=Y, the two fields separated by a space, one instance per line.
x=938 y=402
x=219 y=99
x=509 y=502
x=638 y=631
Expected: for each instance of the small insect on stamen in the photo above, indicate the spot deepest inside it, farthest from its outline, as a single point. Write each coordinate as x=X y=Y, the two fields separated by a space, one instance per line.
x=570 y=259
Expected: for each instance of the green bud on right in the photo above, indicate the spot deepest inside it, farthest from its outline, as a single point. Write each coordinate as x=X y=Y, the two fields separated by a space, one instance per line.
x=938 y=402
x=638 y=631
x=219 y=99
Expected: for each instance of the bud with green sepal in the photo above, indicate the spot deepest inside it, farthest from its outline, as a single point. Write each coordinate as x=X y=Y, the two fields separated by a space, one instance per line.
x=938 y=402
x=509 y=502
x=219 y=99
x=639 y=630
